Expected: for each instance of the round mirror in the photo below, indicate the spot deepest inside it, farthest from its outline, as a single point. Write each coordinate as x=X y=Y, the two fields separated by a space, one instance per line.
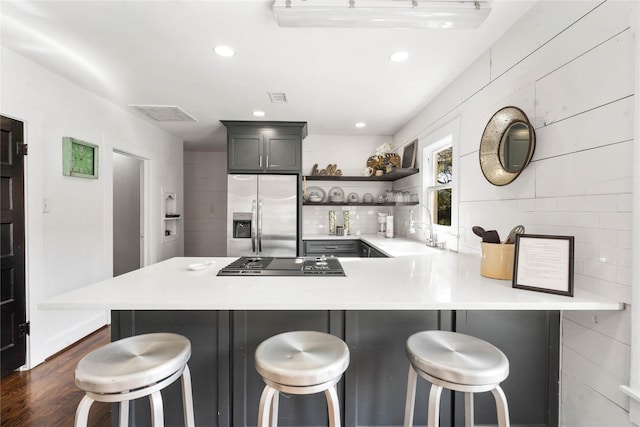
x=507 y=145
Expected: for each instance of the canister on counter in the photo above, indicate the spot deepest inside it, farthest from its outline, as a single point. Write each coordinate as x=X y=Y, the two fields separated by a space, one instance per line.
x=389 y=230
x=332 y=222
x=497 y=261
x=346 y=221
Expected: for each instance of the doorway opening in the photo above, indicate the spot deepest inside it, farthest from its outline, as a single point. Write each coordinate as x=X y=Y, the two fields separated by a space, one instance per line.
x=129 y=184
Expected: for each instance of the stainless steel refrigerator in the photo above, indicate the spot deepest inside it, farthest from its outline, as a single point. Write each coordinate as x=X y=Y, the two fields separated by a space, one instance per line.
x=262 y=215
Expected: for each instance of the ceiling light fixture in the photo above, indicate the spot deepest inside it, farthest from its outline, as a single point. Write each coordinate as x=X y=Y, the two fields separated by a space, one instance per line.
x=258 y=113
x=399 y=56
x=224 y=51
x=360 y=124
x=441 y=14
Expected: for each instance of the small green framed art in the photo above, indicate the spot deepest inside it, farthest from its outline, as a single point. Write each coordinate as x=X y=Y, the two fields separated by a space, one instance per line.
x=79 y=158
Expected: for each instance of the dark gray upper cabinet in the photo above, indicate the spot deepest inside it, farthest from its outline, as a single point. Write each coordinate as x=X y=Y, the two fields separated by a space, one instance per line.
x=244 y=152
x=264 y=147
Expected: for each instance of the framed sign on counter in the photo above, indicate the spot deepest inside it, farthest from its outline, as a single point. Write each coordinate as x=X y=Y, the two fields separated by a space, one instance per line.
x=544 y=263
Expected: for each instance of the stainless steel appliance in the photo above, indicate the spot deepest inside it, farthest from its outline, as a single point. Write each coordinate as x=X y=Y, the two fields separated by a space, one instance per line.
x=283 y=266
x=262 y=215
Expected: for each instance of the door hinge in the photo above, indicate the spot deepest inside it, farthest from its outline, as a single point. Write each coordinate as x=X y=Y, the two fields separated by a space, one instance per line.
x=23 y=149
x=24 y=329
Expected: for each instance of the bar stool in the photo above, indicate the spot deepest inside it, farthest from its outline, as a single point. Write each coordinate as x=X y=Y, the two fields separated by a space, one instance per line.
x=457 y=362
x=135 y=367
x=300 y=362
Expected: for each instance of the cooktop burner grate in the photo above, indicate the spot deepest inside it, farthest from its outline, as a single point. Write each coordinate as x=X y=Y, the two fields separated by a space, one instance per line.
x=283 y=266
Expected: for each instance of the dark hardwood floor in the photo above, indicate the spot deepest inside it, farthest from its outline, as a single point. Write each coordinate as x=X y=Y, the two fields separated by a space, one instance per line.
x=47 y=395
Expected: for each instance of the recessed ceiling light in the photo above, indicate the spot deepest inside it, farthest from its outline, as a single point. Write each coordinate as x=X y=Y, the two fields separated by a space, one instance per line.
x=225 y=51
x=360 y=124
x=399 y=56
x=258 y=113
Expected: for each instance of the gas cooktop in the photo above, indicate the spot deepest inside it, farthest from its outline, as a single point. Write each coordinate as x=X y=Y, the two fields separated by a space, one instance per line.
x=283 y=266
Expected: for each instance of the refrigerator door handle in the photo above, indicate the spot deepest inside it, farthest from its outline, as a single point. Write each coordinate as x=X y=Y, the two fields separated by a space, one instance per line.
x=254 y=221
x=259 y=226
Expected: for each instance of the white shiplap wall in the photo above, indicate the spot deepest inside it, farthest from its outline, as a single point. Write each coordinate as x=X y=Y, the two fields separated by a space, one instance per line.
x=570 y=66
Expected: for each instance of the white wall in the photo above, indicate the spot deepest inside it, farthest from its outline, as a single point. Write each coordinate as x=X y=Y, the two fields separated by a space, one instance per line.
x=205 y=206
x=570 y=67
x=71 y=246
x=634 y=384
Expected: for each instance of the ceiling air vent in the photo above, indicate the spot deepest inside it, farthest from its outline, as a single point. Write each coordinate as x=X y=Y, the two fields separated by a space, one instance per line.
x=278 y=97
x=165 y=113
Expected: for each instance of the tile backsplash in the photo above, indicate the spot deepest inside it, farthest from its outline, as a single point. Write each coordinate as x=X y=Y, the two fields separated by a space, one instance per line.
x=363 y=219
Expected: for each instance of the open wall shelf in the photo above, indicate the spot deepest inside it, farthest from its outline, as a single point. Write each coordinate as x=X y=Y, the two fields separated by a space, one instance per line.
x=391 y=176
x=360 y=204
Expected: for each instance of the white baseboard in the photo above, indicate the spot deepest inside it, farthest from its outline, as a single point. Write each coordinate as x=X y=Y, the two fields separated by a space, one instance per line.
x=74 y=333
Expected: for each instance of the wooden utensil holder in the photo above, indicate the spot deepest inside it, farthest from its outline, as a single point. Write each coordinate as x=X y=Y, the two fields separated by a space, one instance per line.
x=497 y=261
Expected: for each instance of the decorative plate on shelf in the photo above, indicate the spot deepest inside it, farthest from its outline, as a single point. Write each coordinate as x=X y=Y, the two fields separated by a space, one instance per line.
x=336 y=195
x=367 y=198
x=352 y=198
x=315 y=195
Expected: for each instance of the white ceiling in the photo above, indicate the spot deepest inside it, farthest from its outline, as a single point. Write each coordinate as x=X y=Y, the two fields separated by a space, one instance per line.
x=161 y=52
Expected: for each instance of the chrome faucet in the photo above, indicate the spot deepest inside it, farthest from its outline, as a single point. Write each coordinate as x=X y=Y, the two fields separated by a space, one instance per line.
x=431 y=239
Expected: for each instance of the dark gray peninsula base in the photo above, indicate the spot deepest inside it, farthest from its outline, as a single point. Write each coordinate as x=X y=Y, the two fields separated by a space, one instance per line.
x=226 y=387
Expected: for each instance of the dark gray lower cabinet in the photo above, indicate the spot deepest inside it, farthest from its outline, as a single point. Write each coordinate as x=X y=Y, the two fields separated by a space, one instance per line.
x=368 y=251
x=339 y=248
x=208 y=332
x=250 y=328
x=376 y=381
x=227 y=388
x=530 y=340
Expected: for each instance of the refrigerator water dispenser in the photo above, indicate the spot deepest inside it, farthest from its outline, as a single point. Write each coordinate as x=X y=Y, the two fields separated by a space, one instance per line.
x=242 y=225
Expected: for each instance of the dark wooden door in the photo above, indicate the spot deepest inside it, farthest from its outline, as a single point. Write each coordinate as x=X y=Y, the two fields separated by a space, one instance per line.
x=13 y=341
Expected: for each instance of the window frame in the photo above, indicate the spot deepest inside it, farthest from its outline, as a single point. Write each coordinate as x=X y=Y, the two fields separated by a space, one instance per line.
x=433 y=189
x=432 y=143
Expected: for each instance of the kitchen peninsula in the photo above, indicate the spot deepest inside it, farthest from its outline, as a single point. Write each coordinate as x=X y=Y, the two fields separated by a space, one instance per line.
x=375 y=307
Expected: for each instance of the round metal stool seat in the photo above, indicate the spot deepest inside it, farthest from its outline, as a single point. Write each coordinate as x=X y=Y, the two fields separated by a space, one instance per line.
x=457 y=358
x=300 y=362
x=135 y=367
x=457 y=362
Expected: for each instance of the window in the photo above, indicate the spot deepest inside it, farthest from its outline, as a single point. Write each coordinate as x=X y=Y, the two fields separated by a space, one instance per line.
x=441 y=190
x=439 y=185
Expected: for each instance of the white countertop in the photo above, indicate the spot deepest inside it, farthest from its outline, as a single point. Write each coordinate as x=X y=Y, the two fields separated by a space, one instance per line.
x=417 y=277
